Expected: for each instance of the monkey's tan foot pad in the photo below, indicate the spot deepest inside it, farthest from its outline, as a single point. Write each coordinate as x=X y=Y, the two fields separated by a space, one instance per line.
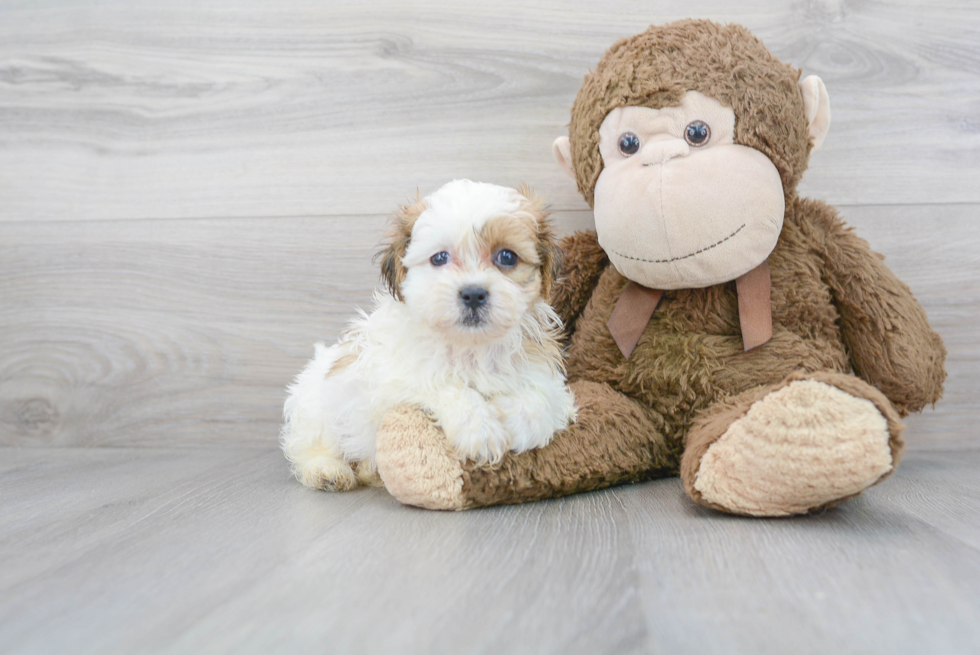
x=799 y=448
x=416 y=462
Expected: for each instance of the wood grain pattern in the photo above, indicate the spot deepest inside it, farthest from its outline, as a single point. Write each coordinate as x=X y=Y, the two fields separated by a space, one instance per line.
x=178 y=551
x=232 y=109
x=186 y=332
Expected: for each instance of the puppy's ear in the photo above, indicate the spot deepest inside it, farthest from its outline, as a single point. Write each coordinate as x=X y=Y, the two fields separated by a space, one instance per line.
x=395 y=245
x=550 y=258
x=547 y=245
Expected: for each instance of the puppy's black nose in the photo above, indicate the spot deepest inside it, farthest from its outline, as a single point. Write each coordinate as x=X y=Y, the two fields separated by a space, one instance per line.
x=473 y=297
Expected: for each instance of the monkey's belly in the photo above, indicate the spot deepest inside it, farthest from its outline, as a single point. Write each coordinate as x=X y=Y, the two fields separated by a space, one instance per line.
x=691 y=353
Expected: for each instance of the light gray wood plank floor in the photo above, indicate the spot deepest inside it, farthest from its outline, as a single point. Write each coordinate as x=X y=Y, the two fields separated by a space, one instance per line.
x=216 y=550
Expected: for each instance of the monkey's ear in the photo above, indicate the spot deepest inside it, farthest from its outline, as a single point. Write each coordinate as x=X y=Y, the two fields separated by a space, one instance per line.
x=396 y=243
x=816 y=104
x=562 y=150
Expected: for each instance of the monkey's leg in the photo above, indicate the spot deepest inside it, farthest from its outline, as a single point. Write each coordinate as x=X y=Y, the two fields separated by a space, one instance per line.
x=811 y=441
x=614 y=440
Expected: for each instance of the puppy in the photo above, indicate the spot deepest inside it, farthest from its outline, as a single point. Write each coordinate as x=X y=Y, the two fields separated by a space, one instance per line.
x=464 y=333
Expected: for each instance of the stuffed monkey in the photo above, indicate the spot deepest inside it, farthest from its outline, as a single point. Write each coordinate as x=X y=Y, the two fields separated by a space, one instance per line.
x=719 y=326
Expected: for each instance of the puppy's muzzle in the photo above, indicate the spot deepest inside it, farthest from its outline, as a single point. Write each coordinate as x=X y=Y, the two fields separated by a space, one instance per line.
x=473 y=297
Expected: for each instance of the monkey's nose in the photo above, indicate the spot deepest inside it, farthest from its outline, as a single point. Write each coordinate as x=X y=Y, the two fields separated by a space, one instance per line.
x=660 y=152
x=474 y=297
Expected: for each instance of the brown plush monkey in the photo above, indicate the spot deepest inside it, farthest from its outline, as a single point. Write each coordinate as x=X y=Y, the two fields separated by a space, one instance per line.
x=719 y=326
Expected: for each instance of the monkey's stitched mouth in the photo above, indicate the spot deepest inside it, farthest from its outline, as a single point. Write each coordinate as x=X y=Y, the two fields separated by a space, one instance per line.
x=676 y=259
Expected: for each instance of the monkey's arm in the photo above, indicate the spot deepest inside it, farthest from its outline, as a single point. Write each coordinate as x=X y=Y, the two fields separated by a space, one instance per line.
x=615 y=439
x=583 y=261
x=886 y=330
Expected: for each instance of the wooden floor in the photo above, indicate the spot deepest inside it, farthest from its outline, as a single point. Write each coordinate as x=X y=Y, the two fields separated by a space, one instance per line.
x=125 y=550
x=190 y=195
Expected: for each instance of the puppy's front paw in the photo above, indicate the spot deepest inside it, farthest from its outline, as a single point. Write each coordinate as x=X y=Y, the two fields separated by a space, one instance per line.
x=480 y=437
x=529 y=426
x=471 y=424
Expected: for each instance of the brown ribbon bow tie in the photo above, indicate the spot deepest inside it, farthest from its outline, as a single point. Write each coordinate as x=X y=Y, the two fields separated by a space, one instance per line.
x=636 y=305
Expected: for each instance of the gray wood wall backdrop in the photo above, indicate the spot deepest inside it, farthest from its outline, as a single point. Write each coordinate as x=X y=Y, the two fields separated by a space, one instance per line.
x=190 y=192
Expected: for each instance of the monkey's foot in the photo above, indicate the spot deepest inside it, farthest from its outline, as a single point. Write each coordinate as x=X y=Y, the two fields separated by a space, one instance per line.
x=416 y=462
x=806 y=444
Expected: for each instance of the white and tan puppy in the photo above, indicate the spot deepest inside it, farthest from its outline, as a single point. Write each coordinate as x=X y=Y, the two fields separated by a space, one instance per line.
x=465 y=333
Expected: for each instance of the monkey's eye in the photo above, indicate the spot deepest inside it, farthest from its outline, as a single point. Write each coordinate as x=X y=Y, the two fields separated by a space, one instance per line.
x=440 y=258
x=629 y=144
x=505 y=258
x=697 y=134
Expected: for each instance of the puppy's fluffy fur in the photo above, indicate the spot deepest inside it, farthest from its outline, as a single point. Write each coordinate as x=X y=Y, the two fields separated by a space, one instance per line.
x=465 y=333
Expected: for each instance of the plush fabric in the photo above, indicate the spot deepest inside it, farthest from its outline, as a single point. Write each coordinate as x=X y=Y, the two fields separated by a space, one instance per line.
x=690 y=361
x=713 y=424
x=582 y=457
x=699 y=221
x=805 y=420
x=726 y=62
x=420 y=467
x=804 y=429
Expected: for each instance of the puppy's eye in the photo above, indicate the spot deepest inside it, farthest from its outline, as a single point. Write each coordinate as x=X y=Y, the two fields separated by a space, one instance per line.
x=629 y=144
x=440 y=258
x=505 y=258
x=697 y=134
